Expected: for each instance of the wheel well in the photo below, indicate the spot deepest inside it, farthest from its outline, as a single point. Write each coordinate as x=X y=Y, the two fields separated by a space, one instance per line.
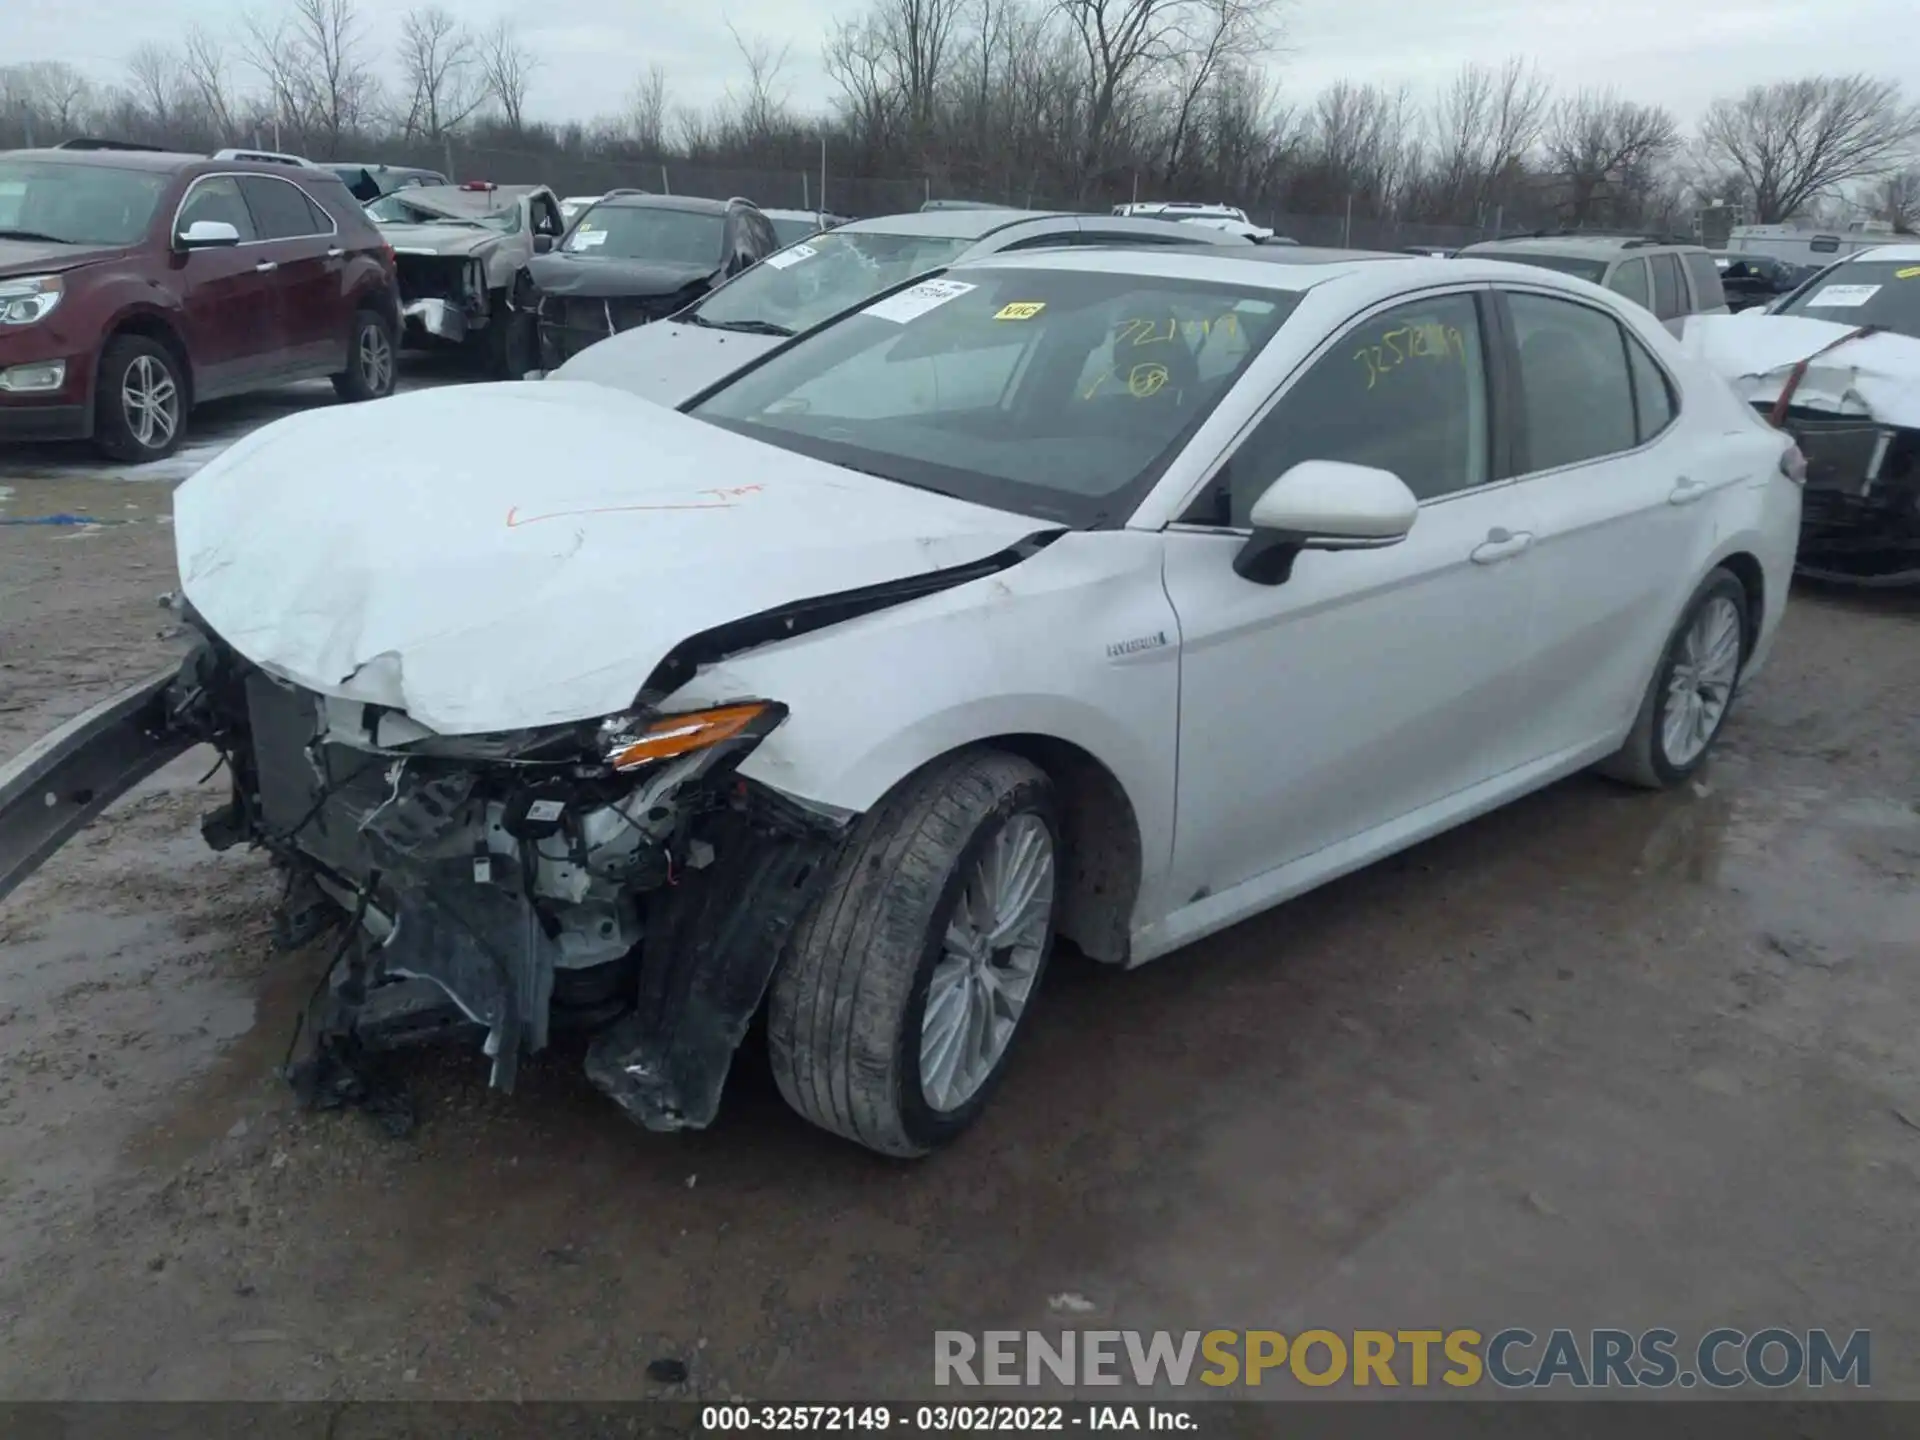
x=1102 y=841
x=152 y=327
x=1746 y=569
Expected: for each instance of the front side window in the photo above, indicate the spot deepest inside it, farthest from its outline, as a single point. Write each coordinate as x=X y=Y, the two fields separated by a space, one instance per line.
x=1055 y=393
x=71 y=204
x=645 y=232
x=798 y=287
x=1576 y=397
x=1405 y=391
x=217 y=198
x=280 y=211
x=1630 y=280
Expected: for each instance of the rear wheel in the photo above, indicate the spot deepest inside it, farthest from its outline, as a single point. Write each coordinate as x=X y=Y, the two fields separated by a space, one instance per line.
x=902 y=991
x=1692 y=690
x=371 y=372
x=140 y=401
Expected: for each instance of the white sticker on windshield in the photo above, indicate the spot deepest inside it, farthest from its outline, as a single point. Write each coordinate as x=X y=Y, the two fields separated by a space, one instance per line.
x=1844 y=296
x=792 y=255
x=587 y=239
x=917 y=300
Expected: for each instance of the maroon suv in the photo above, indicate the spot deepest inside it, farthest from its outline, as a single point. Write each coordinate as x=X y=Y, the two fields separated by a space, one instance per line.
x=135 y=284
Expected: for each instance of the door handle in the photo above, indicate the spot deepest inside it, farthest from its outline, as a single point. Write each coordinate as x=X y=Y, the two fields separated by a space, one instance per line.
x=1499 y=545
x=266 y=267
x=335 y=253
x=1685 y=491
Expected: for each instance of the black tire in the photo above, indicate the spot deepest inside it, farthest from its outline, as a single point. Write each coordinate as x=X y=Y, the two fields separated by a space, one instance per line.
x=1644 y=760
x=848 y=1002
x=117 y=427
x=373 y=360
x=512 y=344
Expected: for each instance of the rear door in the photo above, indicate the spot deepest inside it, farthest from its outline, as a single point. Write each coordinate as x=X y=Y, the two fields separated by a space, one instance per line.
x=231 y=310
x=298 y=238
x=1616 y=489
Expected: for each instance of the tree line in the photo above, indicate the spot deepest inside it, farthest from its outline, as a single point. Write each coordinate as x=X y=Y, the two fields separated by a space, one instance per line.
x=1056 y=102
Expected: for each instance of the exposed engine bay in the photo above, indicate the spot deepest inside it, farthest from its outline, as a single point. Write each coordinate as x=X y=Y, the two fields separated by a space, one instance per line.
x=444 y=296
x=616 y=878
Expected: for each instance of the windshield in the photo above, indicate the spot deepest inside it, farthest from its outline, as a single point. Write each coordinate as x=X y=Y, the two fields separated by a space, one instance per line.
x=648 y=232
x=1863 y=292
x=1056 y=393
x=1566 y=264
x=797 y=288
x=792 y=232
x=77 y=204
x=396 y=209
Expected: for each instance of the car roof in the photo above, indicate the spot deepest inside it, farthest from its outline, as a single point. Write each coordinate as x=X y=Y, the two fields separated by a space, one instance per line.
x=952 y=224
x=456 y=200
x=1577 y=244
x=1280 y=267
x=163 y=161
x=698 y=204
x=777 y=214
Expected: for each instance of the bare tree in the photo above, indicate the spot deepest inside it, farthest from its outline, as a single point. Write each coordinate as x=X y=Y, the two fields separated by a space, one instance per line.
x=1604 y=150
x=508 y=67
x=857 y=60
x=1898 y=201
x=203 y=65
x=339 y=85
x=1122 y=43
x=761 y=108
x=1797 y=140
x=275 y=53
x=440 y=64
x=1216 y=35
x=153 y=76
x=1482 y=126
x=648 y=111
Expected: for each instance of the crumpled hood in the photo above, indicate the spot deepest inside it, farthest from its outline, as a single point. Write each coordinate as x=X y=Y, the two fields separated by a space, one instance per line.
x=1877 y=376
x=596 y=276
x=440 y=239
x=665 y=362
x=38 y=257
x=494 y=557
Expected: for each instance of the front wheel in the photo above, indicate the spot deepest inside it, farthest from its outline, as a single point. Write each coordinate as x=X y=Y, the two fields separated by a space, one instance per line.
x=140 y=401
x=1692 y=690
x=902 y=991
x=512 y=341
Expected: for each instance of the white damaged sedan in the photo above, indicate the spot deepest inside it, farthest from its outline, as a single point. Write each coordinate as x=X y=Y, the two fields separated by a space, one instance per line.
x=1111 y=596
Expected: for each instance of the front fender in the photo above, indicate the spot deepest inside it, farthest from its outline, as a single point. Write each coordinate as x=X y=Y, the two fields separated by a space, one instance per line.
x=51 y=792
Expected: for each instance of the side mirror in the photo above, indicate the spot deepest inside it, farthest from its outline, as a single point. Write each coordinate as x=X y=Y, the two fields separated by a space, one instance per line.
x=542 y=244
x=207 y=235
x=1324 y=505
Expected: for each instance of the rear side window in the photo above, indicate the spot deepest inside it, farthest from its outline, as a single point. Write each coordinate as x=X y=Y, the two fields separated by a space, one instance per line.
x=1668 y=296
x=1576 y=395
x=1652 y=393
x=280 y=211
x=1707 y=292
x=1630 y=280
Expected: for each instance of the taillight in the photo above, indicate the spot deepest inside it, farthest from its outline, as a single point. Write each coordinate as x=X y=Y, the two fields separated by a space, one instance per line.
x=1793 y=464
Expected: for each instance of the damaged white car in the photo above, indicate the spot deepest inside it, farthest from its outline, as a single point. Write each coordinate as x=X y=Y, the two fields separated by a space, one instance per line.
x=1837 y=364
x=461 y=253
x=1111 y=596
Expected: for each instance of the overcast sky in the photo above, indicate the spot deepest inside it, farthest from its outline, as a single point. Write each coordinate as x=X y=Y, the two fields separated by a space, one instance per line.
x=1680 y=53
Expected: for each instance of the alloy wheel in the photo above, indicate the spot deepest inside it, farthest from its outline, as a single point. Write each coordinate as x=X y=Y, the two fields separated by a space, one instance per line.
x=990 y=958
x=150 y=399
x=1700 y=687
x=376 y=359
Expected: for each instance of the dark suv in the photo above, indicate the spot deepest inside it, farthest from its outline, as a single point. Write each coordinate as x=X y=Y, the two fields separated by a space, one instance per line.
x=632 y=257
x=134 y=284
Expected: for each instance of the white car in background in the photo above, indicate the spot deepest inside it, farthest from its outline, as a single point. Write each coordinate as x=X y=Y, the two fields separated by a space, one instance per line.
x=1230 y=218
x=1114 y=595
x=799 y=287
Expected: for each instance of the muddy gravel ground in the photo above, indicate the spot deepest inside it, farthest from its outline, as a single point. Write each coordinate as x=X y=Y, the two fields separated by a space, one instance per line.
x=1603 y=1058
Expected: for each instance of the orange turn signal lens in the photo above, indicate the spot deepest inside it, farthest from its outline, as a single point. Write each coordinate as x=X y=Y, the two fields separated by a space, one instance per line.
x=673 y=735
